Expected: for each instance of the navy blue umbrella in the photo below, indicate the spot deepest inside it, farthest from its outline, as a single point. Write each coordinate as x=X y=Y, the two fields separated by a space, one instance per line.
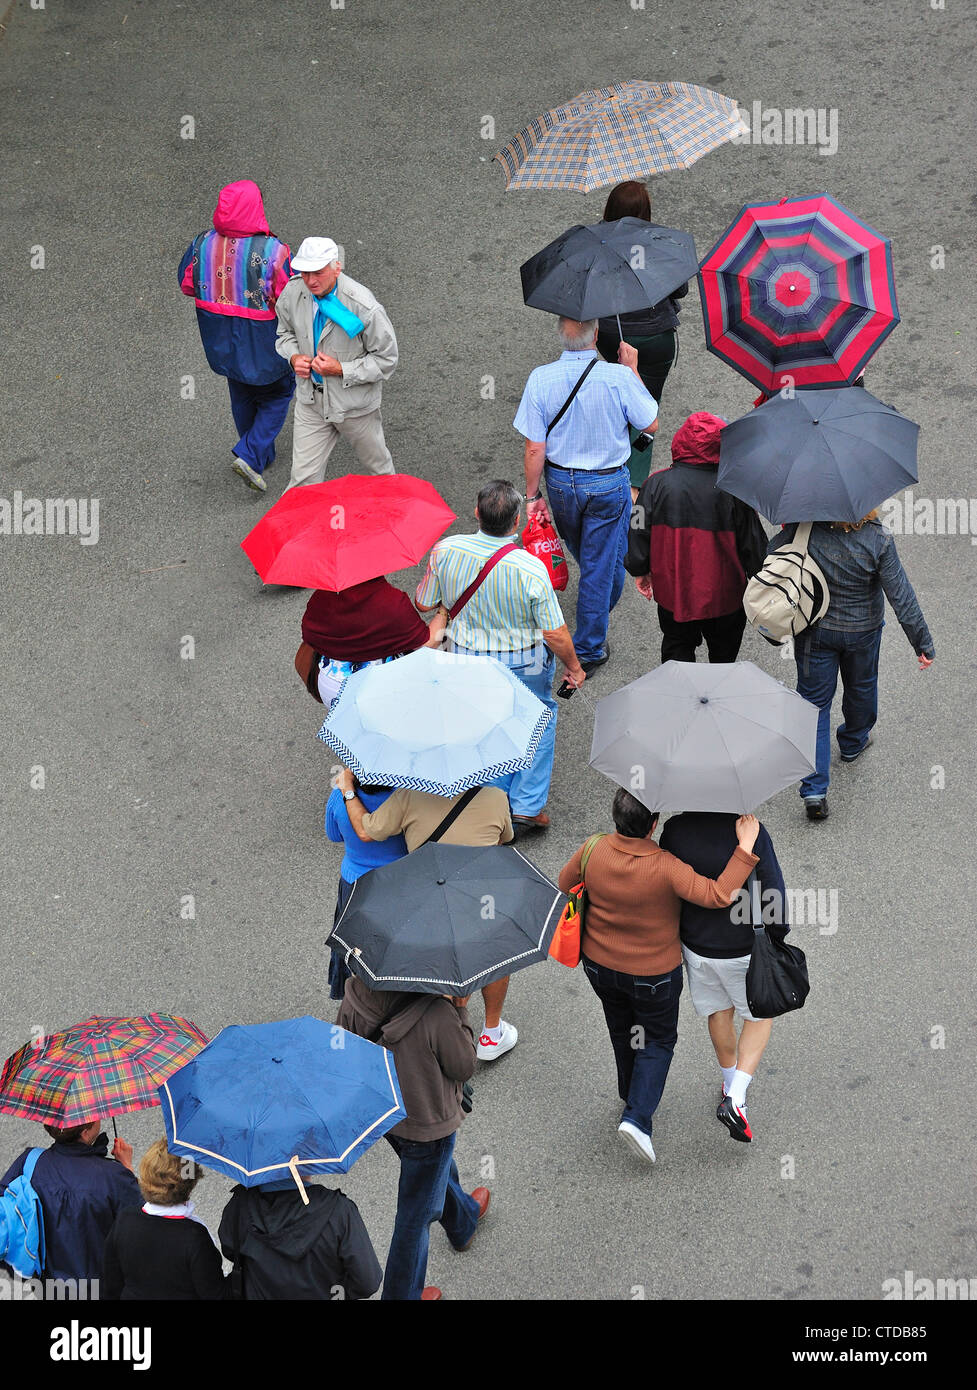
x=608 y=268
x=828 y=455
x=299 y=1097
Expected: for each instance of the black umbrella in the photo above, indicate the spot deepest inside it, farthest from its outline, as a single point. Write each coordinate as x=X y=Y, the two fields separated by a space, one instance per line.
x=608 y=268
x=820 y=456
x=448 y=919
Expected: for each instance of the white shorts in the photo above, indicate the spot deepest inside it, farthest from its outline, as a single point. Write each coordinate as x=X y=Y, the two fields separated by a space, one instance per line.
x=716 y=984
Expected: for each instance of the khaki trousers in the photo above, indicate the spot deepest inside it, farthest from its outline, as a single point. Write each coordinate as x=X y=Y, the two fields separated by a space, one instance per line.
x=314 y=438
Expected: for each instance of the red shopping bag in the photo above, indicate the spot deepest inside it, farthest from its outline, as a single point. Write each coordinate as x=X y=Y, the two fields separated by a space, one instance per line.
x=541 y=540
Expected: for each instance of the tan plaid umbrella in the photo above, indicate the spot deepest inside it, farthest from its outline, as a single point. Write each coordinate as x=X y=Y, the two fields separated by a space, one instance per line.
x=627 y=131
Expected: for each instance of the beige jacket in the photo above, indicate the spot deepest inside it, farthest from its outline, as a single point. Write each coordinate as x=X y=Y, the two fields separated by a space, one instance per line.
x=367 y=360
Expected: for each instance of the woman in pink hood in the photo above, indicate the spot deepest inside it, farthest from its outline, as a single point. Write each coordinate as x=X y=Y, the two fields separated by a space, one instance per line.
x=235 y=273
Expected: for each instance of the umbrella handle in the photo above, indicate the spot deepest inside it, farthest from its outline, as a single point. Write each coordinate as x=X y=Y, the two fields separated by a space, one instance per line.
x=293 y=1169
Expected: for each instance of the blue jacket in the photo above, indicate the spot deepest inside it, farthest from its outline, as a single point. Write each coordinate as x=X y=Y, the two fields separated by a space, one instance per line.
x=863 y=570
x=706 y=839
x=82 y=1191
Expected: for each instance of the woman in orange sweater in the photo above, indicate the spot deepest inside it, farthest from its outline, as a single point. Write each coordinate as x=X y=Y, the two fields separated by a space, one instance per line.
x=630 y=947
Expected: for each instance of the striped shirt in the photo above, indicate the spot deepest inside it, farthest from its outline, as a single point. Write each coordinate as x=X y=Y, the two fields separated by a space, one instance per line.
x=593 y=433
x=508 y=611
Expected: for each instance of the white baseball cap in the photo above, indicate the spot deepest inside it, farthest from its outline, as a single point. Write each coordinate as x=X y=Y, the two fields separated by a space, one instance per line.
x=315 y=253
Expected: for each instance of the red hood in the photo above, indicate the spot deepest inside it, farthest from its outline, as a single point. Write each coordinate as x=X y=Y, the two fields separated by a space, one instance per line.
x=240 y=211
x=697 y=441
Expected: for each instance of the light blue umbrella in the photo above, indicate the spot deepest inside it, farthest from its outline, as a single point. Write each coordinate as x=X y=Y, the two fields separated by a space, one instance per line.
x=435 y=722
x=266 y=1100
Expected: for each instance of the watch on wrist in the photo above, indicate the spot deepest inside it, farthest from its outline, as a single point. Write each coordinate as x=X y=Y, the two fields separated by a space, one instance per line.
x=349 y=795
x=537 y=497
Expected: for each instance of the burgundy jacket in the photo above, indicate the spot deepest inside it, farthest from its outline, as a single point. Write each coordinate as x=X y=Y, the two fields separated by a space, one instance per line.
x=699 y=545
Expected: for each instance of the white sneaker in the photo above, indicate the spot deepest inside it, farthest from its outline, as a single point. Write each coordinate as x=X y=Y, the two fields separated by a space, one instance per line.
x=245 y=471
x=488 y=1051
x=637 y=1140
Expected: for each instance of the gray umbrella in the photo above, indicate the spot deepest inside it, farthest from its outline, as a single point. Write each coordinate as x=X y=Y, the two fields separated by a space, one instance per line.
x=818 y=455
x=708 y=737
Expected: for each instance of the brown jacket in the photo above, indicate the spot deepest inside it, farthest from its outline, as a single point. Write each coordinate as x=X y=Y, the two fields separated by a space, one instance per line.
x=635 y=891
x=433 y=1047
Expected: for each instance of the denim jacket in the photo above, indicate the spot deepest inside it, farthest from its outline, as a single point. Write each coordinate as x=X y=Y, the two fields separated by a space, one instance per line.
x=863 y=570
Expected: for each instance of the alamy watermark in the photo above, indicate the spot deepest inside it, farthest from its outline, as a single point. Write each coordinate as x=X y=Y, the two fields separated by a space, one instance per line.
x=798 y=907
x=771 y=125
x=50 y=516
x=908 y=515
x=917 y=1290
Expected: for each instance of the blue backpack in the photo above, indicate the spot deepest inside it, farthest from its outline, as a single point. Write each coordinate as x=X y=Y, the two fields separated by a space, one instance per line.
x=22 y=1223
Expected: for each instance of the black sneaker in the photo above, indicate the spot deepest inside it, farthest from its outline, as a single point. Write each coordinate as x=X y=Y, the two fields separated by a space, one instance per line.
x=734 y=1118
x=816 y=807
x=851 y=757
x=589 y=666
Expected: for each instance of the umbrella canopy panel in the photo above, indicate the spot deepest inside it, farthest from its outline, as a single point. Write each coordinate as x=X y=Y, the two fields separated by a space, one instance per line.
x=448 y=919
x=626 y=131
x=262 y=1094
x=798 y=289
x=706 y=737
x=818 y=456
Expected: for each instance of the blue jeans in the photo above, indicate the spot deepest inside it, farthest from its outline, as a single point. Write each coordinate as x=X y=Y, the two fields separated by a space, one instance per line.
x=527 y=791
x=642 y=1019
x=821 y=653
x=429 y=1190
x=259 y=413
x=592 y=512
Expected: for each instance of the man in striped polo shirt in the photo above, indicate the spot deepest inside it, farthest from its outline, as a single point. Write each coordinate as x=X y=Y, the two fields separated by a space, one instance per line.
x=515 y=617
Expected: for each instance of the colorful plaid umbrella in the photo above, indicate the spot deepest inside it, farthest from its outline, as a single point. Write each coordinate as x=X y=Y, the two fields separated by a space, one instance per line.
x=99 y=1068
x=799 y=289
x=626 y=131
x=336 y=534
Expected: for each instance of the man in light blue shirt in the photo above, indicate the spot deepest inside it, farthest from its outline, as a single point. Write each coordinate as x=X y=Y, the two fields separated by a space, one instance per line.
x=585 y=455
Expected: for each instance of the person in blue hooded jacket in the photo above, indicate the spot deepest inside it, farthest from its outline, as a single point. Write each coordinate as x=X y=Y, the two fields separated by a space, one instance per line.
x=235 y=272
x=81 y=1190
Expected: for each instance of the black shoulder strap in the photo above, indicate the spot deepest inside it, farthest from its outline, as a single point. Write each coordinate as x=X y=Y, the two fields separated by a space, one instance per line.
x=569 y=400
x=453 y=815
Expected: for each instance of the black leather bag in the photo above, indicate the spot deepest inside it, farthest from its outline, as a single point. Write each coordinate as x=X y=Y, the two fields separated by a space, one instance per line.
x=776 y=980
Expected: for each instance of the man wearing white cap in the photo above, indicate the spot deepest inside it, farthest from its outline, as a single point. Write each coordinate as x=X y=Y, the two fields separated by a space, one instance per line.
x=342 y=347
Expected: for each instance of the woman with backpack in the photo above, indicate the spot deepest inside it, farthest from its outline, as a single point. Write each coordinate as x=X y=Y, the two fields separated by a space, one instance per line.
x=861 y=569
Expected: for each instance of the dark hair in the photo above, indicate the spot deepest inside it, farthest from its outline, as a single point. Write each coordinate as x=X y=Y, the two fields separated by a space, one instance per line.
x=630 y=817
x=628 y=199
x=71 y=1135
x=498 y=505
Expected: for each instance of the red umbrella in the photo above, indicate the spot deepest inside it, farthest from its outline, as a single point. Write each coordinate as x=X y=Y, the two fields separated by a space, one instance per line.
x=96 y=1069
x=799 y=289
x=339 y=533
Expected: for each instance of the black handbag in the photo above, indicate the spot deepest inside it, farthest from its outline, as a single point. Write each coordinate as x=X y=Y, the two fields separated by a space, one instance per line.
x=776 y=979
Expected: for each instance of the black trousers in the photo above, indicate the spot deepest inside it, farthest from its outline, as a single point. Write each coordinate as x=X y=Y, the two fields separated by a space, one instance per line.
x=722 y=635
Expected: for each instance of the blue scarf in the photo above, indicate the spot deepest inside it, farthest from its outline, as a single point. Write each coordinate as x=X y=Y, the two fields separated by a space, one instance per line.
x=331 y=307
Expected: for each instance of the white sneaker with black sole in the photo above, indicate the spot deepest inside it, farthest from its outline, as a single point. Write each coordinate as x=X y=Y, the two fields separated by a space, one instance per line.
x=637 y=1140
x=488 y=1051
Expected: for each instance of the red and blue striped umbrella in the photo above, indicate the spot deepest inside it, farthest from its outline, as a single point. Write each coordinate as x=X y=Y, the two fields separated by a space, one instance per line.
x=798 y=293
x=96 y=1069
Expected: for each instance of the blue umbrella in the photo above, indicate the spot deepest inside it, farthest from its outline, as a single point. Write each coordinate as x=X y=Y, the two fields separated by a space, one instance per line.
x=436 y=722
x=266 y=1100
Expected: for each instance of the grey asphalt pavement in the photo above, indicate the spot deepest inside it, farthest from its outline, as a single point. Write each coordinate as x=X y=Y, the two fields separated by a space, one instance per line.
x=165 y=776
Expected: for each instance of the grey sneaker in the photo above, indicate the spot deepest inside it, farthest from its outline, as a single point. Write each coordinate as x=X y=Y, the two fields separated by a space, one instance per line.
x=245 y=471
x=852 y=757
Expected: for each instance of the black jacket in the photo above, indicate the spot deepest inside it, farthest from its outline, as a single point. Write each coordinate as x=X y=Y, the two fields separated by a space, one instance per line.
x=161 y=1257
x=646 y=323
x=288 y=1250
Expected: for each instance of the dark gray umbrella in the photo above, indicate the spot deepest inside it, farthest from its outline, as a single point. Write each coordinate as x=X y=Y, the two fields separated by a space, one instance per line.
x=707 y=737
x=448 y=919
x=829 y=455
x=608 y=268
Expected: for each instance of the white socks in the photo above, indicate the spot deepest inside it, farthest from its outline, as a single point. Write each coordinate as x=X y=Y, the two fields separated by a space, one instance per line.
x=737 y=1087
x=494 y=1034
x=728 y=1074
